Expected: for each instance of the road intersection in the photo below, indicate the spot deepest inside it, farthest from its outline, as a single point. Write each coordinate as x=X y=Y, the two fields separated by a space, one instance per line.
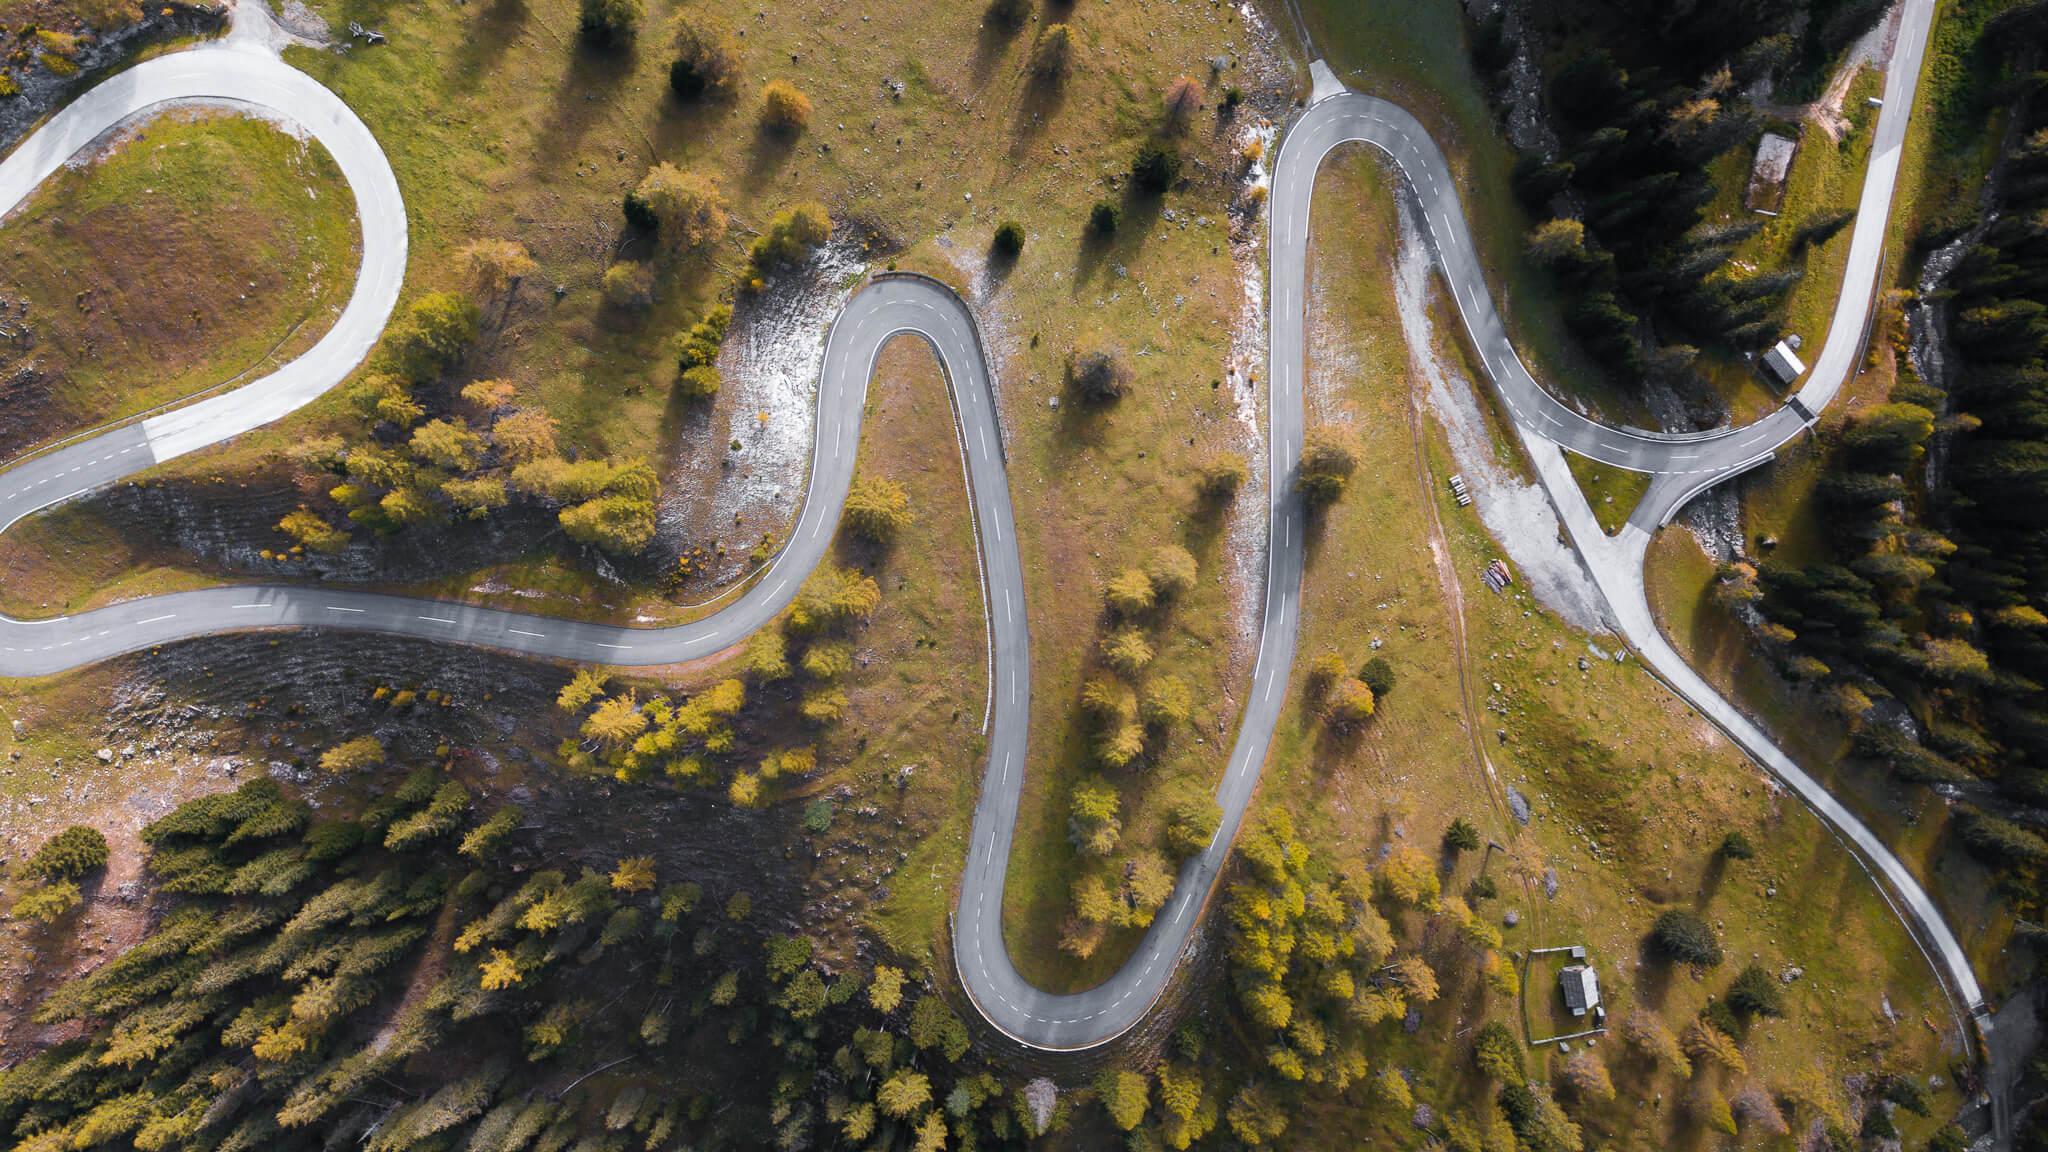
x=245 y=69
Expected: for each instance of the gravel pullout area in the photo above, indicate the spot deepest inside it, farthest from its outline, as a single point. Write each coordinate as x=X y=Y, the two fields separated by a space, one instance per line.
x=1518 y=515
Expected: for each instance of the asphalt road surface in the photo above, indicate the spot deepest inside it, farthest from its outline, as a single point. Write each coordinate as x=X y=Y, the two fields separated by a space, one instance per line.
x=244 y=70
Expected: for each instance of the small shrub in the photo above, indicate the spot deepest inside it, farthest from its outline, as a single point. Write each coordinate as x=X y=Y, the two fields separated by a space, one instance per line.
x=1219 y=476
x=607 y=23
x=790 y=236
x=634 y=874
x=1052 y=57
x=1156 y=168
x=433 y=335
x=617 y=524
x=1908 y=1093
x=1378 y=675
x=706 y=63
x=700 y=344
x=1949 y=1138
x=311 y=531
x=1166 y=702
x=1324 y=672
x=1348 y=703
x=877 y=509
x=75 y=852
x=1127 y=650
x=496 y=266
x=699 y=383
x=1498 y=1053
x=824 y=706
x=1679 y=935
x=1461 y=836
x=1192 y=826
x=1327 y=463
x=1756 y=993
x=1092 y=821
x=1171 y=568
x=784 y=108
x=629 y=286
x=1130 y=593
x=684 y=208
x=353 y=755
x=47 y=902
x=1009 y=239
x=1736 y=846
x=1104 y=217
x=1098 y=374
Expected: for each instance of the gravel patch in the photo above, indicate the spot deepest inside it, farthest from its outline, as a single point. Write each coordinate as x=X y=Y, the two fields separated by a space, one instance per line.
x=1516 y=513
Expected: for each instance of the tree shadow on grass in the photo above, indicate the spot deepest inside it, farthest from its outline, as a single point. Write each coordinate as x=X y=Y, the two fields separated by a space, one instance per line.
x=596 y=76
x=1037 y=105
x=684 y=419
x=990 y=41
x=497 y=25
x=51 y=937
x=1046 y=905
x=1653 y=975
x=1203 y=528
x=770 y=150
x=1315 y=530
x=1332 y=740
x=1710 y=881
x=997 y=268
x=852 y=550
x=1136 y=214
x=1083 y=423
x=680 y=123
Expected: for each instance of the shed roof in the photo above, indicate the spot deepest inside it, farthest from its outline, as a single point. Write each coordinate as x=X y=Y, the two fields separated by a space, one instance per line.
x=1784 y=363
x=1581 y=988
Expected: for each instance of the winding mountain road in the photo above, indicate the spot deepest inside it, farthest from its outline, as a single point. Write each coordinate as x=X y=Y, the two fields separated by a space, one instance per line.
x=244 y=69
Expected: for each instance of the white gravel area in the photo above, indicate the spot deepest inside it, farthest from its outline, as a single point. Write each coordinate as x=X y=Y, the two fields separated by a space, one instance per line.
x=1518 y=514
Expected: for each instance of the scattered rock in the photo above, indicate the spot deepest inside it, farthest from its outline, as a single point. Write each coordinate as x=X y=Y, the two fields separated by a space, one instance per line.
x=1792 y=973
x=1518 y=804
x=1511 y=918
x=105 y=755
x=1550 y=882
x=1040 y=1096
